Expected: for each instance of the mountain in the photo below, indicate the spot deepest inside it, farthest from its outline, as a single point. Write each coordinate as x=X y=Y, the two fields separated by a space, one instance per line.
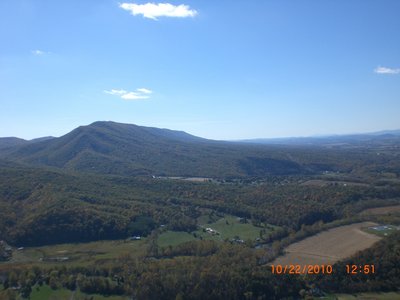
x=126 y=149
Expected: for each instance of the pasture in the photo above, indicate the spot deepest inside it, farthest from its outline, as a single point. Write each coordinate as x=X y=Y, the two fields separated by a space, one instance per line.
x=230 y=227
x=174 y=238
x=382 y=230
x=79 y=253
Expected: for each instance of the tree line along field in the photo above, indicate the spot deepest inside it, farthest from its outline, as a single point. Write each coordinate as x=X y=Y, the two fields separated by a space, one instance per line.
x=229 y=227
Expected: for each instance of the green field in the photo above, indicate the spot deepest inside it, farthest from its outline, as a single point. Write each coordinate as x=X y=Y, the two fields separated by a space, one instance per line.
x=79 y=253
x=174 y=238
x=229 y=227
x=382 y=230
x=46 y=293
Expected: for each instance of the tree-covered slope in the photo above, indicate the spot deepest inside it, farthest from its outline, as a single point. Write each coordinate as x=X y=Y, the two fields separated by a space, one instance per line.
x=113 y=148
x=7 y=142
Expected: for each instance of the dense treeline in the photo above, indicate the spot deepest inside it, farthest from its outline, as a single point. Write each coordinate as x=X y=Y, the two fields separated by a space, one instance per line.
x=228 y=272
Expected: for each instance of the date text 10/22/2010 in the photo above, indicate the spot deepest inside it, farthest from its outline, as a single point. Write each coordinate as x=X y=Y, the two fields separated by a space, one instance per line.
x=321 y=269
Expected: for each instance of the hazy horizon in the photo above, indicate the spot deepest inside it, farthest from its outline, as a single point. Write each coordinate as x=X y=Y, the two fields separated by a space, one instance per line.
x=239 y=139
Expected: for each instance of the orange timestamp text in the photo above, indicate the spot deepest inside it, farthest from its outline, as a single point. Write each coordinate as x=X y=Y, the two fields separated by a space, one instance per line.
x=301 y=269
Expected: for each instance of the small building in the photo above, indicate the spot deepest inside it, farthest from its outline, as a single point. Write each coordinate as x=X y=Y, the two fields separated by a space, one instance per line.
x=237 y=241
x=211 y=231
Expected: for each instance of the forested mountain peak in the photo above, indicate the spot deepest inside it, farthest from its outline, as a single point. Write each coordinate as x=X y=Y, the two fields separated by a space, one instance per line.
x=126 y=149
x=136 y=131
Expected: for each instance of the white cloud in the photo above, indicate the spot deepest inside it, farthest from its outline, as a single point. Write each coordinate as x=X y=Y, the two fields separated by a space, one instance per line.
x=138 y=94
x=39 y=52
x=133 y=96
x=384 y=70
x=153 y=10
x=116 y=92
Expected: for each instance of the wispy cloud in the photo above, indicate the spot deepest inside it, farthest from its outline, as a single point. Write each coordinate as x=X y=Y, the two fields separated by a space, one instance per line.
x=138 y=94
x=153 y=10
x=144 y=91
x=39 y=52
x=115 y=92
x=384 y=70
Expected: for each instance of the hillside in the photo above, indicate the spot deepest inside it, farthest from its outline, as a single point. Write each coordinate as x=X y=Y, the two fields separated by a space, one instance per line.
x=124 y=149
x=7 y=142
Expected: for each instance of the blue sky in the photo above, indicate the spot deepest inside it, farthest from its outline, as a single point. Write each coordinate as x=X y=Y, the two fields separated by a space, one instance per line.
x=217 y=69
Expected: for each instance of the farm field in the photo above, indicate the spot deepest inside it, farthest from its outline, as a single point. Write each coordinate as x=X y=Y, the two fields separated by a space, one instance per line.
x=226 y=227
x=79 y=253
x=230 y=227
x=174 y=238
x=329 y=246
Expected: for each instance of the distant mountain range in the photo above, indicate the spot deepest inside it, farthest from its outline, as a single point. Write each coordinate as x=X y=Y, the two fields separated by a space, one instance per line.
x=125 y=149
x=386 y=136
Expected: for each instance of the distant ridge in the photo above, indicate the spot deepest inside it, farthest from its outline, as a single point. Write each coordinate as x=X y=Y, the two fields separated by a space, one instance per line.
x=6 y=142
x=346 y=139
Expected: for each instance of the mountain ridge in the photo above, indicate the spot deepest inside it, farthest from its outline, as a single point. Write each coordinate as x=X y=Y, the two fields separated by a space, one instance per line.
x=127 y=149
x=107 y=147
